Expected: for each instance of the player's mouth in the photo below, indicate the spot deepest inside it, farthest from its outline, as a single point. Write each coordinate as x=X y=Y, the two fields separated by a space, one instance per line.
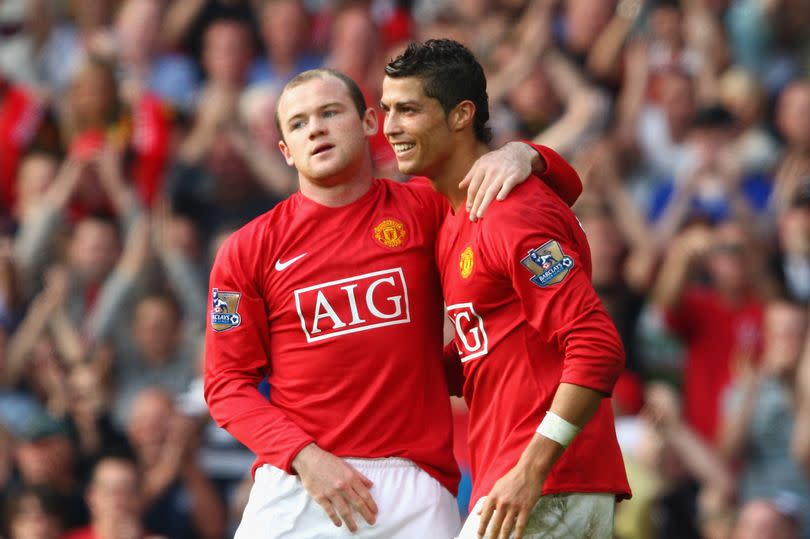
x=322 y=148
x=401 y=148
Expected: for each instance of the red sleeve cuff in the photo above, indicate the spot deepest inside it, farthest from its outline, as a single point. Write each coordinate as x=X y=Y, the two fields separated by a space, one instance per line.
x=287 y=464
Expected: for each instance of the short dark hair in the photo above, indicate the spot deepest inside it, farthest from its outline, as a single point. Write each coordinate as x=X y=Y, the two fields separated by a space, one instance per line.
x=355 y=93
x=450 y=74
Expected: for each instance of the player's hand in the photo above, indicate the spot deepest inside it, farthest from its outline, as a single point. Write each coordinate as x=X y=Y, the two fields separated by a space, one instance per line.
x=495 y=174
x=336 y=486
x=509 y=504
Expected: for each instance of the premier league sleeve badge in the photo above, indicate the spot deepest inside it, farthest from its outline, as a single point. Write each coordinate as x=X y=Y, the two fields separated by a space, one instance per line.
x=224 y=310
x=547 y=264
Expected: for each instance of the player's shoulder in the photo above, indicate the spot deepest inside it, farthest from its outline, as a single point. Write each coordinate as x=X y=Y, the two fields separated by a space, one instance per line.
x=531 y=202
x=256 y=236
x=415 y=185
x=417 y=190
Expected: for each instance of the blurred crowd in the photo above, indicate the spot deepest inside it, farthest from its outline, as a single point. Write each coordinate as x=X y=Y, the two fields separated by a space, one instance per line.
x=135 y=135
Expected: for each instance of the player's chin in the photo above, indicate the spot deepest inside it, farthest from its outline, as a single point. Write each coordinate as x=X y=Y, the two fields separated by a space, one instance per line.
x=407 y=166
x=326 y=170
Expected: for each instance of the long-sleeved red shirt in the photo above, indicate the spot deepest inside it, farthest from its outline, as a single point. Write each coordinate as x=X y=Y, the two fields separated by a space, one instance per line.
x=518 y=291
x=342 y=308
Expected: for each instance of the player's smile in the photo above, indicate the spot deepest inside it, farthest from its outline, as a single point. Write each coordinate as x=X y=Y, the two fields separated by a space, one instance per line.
x=404 y=151
x=402 y=147
x=415 y=125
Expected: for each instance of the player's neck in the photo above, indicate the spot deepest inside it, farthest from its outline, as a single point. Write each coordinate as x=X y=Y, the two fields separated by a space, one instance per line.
x=341 y=190
x=454 y=169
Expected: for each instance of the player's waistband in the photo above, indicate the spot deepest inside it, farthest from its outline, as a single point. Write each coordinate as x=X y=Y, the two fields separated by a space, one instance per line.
x=380 y=463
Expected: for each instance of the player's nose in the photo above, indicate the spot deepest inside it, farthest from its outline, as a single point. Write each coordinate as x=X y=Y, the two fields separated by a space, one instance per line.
x=317 y=127
x=391 y=125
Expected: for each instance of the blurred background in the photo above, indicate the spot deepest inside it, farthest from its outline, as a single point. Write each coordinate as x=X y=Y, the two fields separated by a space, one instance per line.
x=135 y=135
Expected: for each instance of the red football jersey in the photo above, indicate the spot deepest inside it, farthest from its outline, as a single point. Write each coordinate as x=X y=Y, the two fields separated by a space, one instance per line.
x=342 y=308
x=518 y=291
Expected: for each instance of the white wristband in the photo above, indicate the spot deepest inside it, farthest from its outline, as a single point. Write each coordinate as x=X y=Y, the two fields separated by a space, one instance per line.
x=558 y=429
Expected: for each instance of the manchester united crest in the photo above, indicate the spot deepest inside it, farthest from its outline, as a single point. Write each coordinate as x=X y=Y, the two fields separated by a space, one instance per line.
x=466 y=262
x=390 y=233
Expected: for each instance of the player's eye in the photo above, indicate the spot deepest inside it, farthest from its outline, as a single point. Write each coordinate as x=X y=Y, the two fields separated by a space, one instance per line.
x=328 y=113
x=296 y=124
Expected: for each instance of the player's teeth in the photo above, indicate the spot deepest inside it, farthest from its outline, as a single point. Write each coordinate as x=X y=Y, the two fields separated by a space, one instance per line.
x=403 y=147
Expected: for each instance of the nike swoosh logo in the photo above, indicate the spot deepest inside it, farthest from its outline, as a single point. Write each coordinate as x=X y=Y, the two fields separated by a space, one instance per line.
x=281 y=266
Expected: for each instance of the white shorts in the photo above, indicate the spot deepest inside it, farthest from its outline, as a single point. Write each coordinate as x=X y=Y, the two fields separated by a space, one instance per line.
x=558 y=516
x=411 y=504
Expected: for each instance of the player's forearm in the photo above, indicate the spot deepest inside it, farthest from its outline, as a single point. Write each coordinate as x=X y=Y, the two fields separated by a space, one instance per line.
x=576 y=405
x=554 y=170
x=238 y=407
x=530 y=153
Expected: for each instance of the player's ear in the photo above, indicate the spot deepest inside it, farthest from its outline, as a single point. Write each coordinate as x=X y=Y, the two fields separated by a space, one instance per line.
x=370 y=123
x=285 y=151
x=461 y=116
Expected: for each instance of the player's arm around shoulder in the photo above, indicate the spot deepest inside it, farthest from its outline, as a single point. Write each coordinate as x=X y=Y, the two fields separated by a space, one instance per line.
x=494 y=175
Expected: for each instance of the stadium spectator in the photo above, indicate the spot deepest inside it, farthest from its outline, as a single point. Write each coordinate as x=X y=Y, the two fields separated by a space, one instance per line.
x=142 y=67
x=179 y=500
x=286 y=35
x=46 y=458
x=115 y=502
x=33 y=513
x=793 y=172
x=731 y=306
x=758 y=420
x=768 y=519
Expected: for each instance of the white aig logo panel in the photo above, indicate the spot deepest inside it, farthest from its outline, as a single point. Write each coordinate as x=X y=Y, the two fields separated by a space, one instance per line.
x=471 y=336
x=353 y=304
